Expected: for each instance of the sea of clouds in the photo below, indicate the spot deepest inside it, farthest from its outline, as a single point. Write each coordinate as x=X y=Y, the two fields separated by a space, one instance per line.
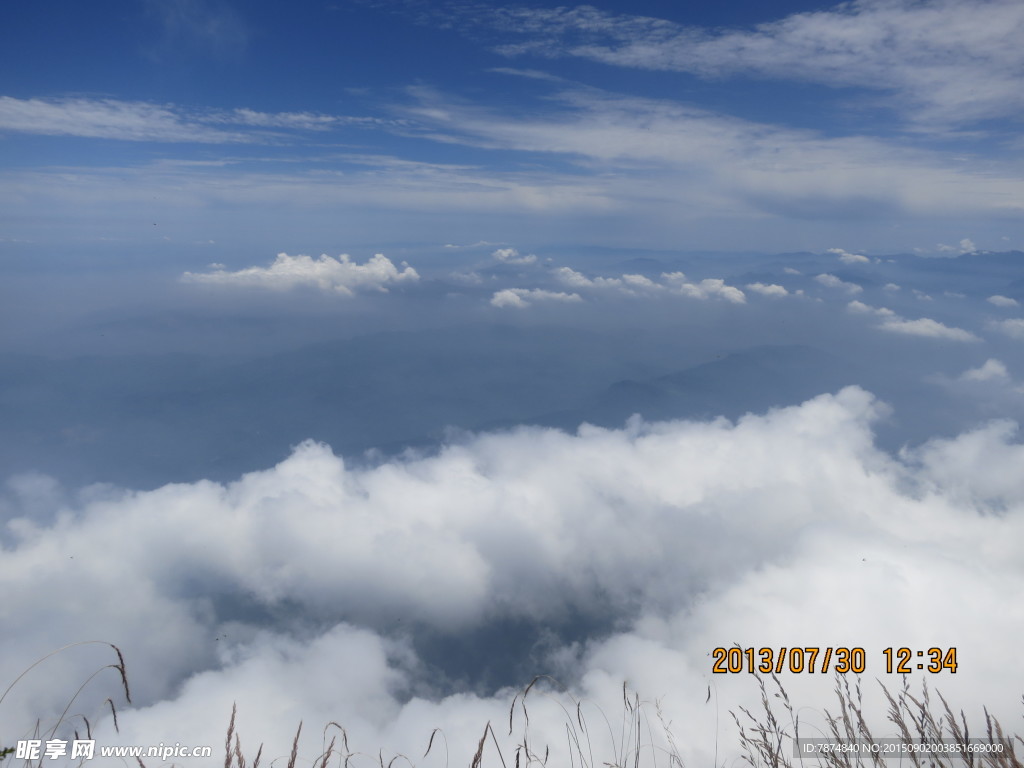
x=298 y=591
x=398 y=593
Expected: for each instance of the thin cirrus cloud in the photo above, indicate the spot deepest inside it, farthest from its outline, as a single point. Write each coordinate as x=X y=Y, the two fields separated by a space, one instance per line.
x=625 y=156
x=145 y=121
x=341 y=275
x=948 y=61
x=212 y=26
x=742 y=164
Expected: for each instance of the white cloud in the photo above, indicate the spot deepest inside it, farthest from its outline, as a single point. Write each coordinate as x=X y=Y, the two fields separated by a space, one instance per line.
x=1003 y=301
x=891 y=287
x=860 y=307
x=705 y=289
x=638 y=285
x=924 y=326
x=145 y=121
x=792 y=271
x=831 y=281
x=107 y=119
x=991 y=370
x=302 y=120
x=767 y=290
x=945 y=61
x=1013 y=328
x=511 y=256
x=963 y=247
x=477 y=244
x=640 y=282
x=624 y=284
x=849 y=258
x=572 y=278
x=745 y=168
x=532 y=74
x=467 y=278
x=620 y=156
x=341 y=275
x=321 y=191
x=928 y=328
x=298 y=591
x=520 y=298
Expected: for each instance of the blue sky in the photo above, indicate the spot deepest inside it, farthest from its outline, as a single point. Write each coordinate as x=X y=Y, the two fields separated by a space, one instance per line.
x=789 y=126
x=361 y=360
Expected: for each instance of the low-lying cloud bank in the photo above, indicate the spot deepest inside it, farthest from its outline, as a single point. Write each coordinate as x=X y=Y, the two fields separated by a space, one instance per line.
x=640 y=285
x=312 y=590
x=341 y=275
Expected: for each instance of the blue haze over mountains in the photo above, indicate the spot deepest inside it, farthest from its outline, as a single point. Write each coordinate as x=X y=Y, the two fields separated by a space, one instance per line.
x=81 y=417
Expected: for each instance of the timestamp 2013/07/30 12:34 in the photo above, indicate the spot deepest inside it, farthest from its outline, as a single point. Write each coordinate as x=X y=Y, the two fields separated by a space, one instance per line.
x=842 y=660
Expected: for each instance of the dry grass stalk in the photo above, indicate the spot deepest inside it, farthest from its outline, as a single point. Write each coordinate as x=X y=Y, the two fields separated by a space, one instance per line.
x=767 y=741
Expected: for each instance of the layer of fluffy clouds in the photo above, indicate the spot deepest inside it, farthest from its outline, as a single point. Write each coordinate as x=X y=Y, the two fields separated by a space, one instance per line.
x=341 y=275
x=638 y=285
x=299 y=591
